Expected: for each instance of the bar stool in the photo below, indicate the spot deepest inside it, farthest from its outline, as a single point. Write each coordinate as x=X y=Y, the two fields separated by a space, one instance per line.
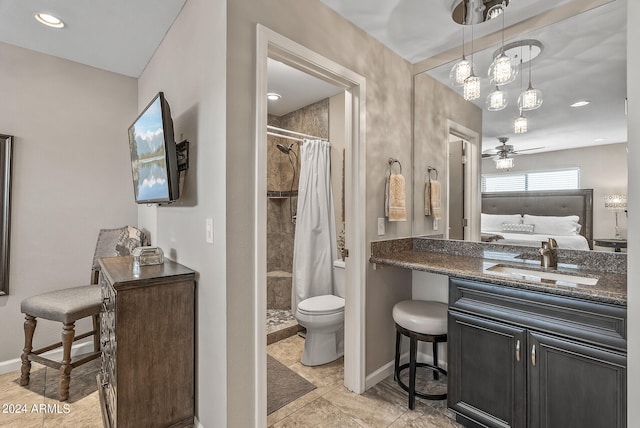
x=419 y=320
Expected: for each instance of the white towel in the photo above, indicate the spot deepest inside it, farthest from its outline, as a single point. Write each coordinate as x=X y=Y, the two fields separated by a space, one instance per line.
x=395 y=198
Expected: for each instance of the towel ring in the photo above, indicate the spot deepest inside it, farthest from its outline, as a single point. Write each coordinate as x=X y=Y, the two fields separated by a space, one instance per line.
x=432 y=169
x=392 y=161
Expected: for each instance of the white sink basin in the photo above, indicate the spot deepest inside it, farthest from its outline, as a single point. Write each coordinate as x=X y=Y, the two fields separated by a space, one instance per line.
x=543 y=276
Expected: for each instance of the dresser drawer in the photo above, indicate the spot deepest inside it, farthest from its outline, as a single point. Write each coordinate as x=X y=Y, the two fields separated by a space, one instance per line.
x=596 y=323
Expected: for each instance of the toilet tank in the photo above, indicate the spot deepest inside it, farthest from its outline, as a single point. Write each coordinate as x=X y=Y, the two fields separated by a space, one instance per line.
x=339 y=278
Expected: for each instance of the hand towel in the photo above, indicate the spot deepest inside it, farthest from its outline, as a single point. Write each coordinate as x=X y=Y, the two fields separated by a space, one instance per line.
x=397 y=198
x=435 y=198
x=427 y=197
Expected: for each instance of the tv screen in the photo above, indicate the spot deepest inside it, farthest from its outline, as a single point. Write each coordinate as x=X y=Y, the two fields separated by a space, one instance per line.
x=153 y=154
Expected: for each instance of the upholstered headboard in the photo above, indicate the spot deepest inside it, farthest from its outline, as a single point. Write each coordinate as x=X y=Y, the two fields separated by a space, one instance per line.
x=547 y=202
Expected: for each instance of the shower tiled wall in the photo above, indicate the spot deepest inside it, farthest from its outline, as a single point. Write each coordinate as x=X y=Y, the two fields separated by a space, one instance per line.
x=313 y=120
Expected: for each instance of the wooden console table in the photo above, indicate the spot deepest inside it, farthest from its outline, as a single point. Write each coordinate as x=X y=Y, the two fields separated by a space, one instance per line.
x=147 y=343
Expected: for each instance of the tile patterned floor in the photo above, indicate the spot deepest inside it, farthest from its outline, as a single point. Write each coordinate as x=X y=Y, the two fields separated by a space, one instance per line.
x=332 y=405
x=329 y=405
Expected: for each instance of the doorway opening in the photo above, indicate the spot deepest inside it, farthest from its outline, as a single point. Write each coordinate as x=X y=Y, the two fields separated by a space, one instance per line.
x=272 y=46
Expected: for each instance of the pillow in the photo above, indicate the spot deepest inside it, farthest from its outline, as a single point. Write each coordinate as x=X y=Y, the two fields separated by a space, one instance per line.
x=493 y=222
x=517 y=227
x=552 y=225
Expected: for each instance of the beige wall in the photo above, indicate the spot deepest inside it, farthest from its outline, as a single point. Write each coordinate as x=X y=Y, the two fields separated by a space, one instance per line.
x=436 y=104
x=71 y=176
x=633 y=93
x=388 y=133
x=602 y=168
x=189 y=67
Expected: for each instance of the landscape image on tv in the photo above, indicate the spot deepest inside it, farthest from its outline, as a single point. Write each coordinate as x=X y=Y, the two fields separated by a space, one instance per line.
x=148 y=158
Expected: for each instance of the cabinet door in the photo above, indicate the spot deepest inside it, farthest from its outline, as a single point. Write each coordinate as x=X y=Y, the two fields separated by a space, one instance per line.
x=574 y=385
x=487 y=371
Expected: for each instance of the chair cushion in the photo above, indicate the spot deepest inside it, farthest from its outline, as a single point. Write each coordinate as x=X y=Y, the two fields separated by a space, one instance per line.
x=421 y=316
x=65 y=306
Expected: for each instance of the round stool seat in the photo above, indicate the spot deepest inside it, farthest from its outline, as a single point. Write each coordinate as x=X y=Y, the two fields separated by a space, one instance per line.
x=420 y=316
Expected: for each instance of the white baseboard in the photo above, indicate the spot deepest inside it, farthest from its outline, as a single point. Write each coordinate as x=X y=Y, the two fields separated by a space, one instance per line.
x=56 y=354
x=197 y=423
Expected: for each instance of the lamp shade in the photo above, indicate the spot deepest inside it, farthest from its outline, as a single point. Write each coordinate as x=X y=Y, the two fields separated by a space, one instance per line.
x=504 y=163
x=615 y=202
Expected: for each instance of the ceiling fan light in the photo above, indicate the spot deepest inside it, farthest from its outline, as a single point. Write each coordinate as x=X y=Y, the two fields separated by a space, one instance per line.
x=504 y=163
x=460 y=71
x=471 y=88
x=530 y=99
x=520 y=125
x=497 y=100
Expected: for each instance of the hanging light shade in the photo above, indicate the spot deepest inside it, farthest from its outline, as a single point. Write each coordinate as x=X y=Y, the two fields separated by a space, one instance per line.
x=502 y=70
x=531 y=98
x=471 y=88
x=504 y=163
x=520 y=125
x=497 y=100
x=460 y=71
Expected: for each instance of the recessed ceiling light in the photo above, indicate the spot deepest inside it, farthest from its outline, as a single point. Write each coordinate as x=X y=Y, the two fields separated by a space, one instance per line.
x=49 y=20
x=580 y=103
x=272 y=96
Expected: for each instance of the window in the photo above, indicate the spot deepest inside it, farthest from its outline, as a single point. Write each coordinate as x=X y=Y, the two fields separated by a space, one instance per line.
x=562 y=179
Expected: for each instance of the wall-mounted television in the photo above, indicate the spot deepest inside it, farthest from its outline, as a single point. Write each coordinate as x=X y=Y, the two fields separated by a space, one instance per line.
x=154 y=161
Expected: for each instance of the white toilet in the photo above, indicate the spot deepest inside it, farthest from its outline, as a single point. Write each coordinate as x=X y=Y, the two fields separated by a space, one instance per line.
x=323 y=317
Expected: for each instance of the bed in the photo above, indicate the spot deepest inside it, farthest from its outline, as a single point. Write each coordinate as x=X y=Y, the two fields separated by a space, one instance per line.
x=528 y=218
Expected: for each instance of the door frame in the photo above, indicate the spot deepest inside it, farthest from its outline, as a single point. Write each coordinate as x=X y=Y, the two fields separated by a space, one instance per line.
x=472 y=171
x=273 y=45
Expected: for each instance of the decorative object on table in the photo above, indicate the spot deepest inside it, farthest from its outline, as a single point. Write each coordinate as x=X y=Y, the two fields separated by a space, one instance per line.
x=145 y=256
x=394 y=198
x=616 y=203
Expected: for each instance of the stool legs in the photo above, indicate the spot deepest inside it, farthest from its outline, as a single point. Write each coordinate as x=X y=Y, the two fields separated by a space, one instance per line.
x=413 y=350
x=397 y=360
x=68 y=333
x=25 y=369
x=436 y=375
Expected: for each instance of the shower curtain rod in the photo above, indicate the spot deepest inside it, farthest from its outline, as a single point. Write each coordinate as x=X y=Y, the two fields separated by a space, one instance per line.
x=294 y=133
x=299 y=140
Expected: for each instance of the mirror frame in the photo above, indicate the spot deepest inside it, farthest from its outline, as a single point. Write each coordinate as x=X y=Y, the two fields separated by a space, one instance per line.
x=6 y=145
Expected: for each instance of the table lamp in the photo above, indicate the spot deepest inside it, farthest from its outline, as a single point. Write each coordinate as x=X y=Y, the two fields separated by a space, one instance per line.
x=616 y=203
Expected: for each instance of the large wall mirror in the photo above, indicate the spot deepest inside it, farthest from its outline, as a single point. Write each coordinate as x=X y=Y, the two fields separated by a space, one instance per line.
x=580 y=56
x=5 y=214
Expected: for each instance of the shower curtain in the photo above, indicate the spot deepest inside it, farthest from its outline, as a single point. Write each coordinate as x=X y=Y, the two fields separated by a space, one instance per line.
x=314 y=244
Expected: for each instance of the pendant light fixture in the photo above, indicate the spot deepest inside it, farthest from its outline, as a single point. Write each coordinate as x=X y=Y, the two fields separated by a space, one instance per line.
x=471 y=87
x=461 y=69
x=530 y=99
x=497 y=100
x=520 y=125
x=504 y=162
x=502 y=70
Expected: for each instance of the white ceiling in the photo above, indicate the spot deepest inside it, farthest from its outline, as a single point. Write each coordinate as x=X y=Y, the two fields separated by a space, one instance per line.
x=114 y=35
x=122 y=35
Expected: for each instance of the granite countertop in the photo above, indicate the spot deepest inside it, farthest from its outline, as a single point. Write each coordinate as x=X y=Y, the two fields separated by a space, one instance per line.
x=471 y=260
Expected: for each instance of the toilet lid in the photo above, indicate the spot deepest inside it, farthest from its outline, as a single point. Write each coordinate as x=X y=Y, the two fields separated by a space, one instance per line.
x=321 y=305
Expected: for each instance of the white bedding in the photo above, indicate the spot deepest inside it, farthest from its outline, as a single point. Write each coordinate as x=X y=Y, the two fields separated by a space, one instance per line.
x=570 y=242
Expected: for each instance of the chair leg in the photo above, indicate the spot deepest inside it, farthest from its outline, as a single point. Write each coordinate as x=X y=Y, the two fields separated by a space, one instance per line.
x=96 y=336
x=29 y=328
x=68 y=333
x=397 y=359
x=412 y=370
x=436 y=375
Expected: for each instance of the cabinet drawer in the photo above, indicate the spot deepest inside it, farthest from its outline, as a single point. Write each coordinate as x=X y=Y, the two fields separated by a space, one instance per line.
x=596 y=323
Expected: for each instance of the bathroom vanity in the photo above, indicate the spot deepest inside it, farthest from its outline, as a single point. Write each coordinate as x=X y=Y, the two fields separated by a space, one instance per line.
x=528 y=346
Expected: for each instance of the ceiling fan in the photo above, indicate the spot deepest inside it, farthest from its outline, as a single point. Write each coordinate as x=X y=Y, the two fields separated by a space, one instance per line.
x=504 y=150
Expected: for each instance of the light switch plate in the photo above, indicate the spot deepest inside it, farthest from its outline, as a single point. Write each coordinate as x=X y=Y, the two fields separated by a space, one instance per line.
x=209 y=231
x=380 y=226
x=436 y=223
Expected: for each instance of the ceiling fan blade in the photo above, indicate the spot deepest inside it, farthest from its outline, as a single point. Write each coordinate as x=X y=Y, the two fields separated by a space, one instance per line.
x=526 y=150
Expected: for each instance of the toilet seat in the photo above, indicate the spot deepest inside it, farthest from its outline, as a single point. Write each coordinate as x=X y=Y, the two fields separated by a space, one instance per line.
x=321 y=305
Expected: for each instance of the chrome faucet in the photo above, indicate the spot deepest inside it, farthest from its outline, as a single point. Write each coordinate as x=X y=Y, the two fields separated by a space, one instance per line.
x=549 y=254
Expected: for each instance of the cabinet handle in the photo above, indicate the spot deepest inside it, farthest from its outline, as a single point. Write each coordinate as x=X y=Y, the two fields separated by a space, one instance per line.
x=533 y=355
x=518 y=350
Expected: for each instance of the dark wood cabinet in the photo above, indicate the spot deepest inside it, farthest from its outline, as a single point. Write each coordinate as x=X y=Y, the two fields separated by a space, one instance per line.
x=519 y=358
x=147 y=343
